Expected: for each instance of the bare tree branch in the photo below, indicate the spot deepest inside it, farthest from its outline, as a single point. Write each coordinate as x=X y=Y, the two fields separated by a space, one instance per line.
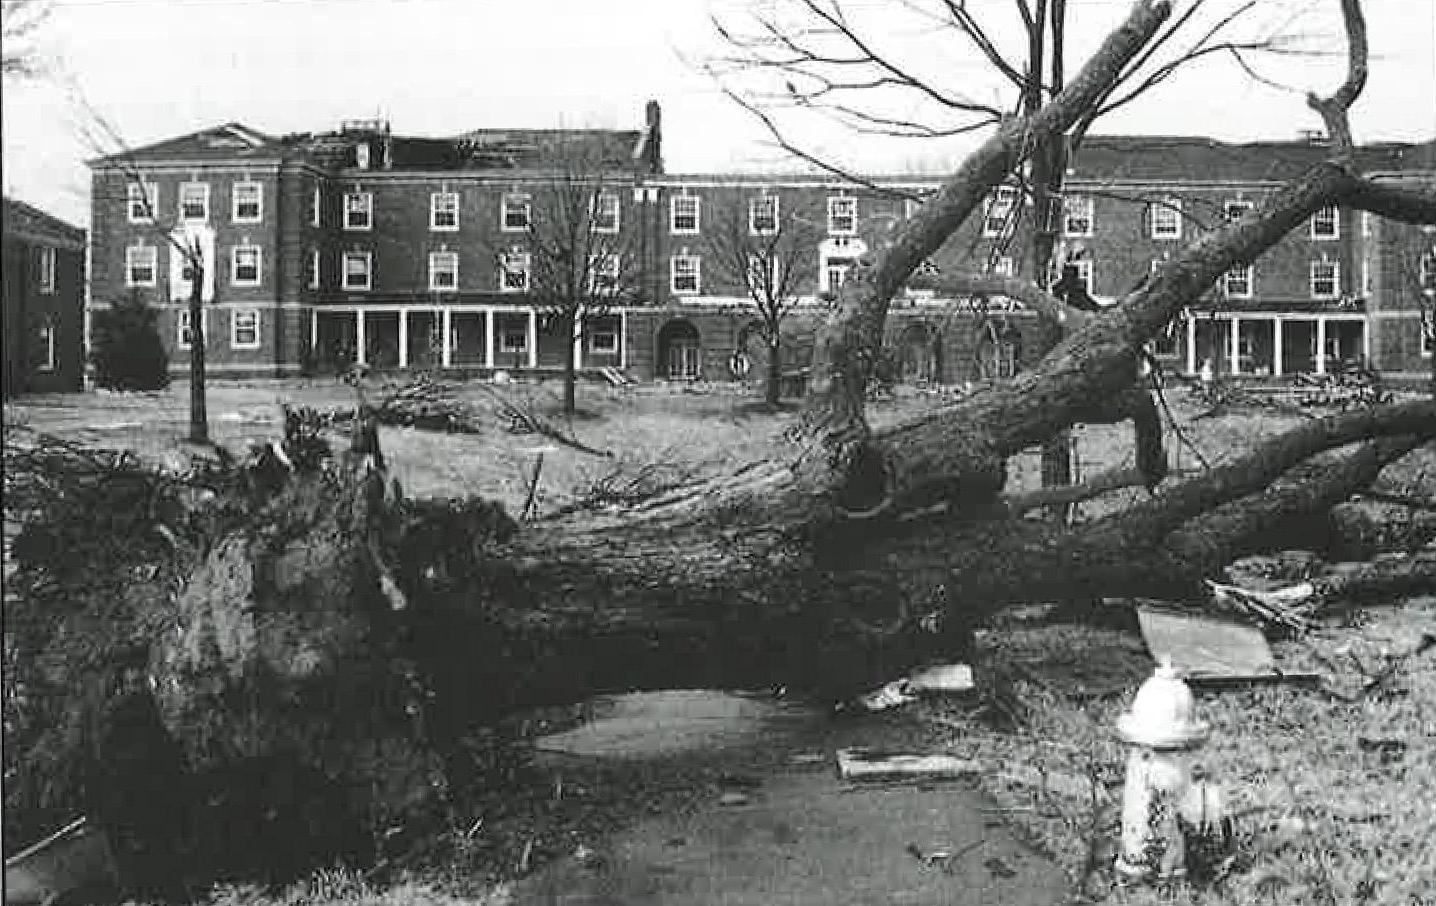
x=1334 y=110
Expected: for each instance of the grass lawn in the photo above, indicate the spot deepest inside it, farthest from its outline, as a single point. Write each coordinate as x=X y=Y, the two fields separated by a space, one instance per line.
x=1336 y=797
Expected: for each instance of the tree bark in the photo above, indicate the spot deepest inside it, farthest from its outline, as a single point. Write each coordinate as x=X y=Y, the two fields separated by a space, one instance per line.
x=198 y=411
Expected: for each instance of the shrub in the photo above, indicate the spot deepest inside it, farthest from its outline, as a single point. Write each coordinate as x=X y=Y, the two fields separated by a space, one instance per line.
x=127 y=352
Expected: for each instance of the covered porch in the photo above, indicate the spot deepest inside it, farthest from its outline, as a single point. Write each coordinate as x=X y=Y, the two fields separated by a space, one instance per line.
x=1272 y=344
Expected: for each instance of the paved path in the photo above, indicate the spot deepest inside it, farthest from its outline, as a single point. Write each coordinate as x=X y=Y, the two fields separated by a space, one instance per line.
x=790 y=833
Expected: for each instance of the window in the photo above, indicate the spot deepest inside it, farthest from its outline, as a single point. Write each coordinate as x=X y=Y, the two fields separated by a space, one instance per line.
x=316 y=207
x=443 y=271
x=683 y=215
x=194 y=201
x=244 y=269
x=1235 y=209
x=1325 y=279
x=444 y=211
x=835 y=274
x=183 y=335
x=141 y=264
x=140 y=202
x=1237 y=282
x=314 y=268
x=46 y=348
x=515 y=212
x=999 y=210
x=603 y=340
x=514 y=272
x=605 y=213
x=513 y=339
x=361 y=155
x=1077 y=216
x=685 y=274
x=359 y=211
x=244 y=328
x=1166 y=216
x=1004 y=266
x=45 y=279
x=1325 y=224
x=247 y=202
x=358 y=270
x=842 y=216
x=763 y=215
x=1426 y=270
x=603 y=274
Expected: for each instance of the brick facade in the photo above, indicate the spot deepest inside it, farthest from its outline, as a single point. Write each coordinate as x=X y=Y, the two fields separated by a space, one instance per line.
x=42 y=289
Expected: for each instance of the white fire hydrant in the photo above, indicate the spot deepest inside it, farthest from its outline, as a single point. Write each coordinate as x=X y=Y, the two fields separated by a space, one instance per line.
x=1163 y=730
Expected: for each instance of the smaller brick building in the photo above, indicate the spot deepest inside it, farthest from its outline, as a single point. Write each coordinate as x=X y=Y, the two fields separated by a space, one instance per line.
x=42 y=288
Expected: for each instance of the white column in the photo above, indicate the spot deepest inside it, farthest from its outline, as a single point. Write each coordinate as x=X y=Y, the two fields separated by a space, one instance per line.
x=1366 y=331
x=314 y=331
x=447 y=325
x=1234 y=347
x=1320 y=345
x=1191 y=344
x=577 y=343
x=403 y=338
x=533 y=338
x=622 y=339
x=1276 y=368
x=359 y=339
x=488 y=338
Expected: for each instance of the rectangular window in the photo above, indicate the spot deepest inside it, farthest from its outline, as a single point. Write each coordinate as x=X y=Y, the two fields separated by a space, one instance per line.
x=1166 y=217
x=141 y=264
x=45 y=279
x=1004 y=266
x=515 y=212
x=184 y=337
x=513 y=339
x=194 y=201
x=316 y=207
x=1426 y=270
x=247 y=202
x=603 y=340
x=514 y=272
x=244 y=328
x=443 y=271
x=1235 y=209
x=835 y=273
x=46 y=350
x=244 y=269
x=842 y=216
x=1325 y=224
x=314 y=265
x=603 y=274
x=683 y=215
x=359 y=211
x=140 y=202
x=605 y=213
x=358 y=270
x=1077 y=216
x=685 y=275
x=1237 y=282
x=1325 y=279
x=999 y=211
x=763 y=215
x=444 y=212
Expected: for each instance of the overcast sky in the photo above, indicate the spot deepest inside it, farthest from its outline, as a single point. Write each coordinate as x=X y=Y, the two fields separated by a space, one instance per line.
x=160 y=68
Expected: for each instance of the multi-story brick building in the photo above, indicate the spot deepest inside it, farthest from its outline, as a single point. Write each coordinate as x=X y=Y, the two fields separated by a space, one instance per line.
x=413 y=253
x=42 y=293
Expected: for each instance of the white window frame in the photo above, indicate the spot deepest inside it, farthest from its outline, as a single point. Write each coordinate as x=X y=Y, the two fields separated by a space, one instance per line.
x=132 y=256
x=1238 y=204
x=437 y=203
x=364 y=206
x=610 y=348
x=234 y=201
x=1165 y=215
x=508 y=331
x=1076 y=208
x=45 y=279
x=436 y=267
x=1243 y=274
x=344 y=274
x=515 y=262
x=600 y=215
x=234 y=328
x=316 y=261
x=835 y=214
x=47 y=337
x=998 y=210
x=685 y=265
x=1086 y=273
x=1329 y=215
x=1335 y=267
x=674 y=204
x=834 y=273
x=182 y=327
x=757 y=204
x=316 y=206
x=1005 y=266
x=514 y=202
x=234 y=254
x=204 y=193
x=1426 y=270
x=144 y=197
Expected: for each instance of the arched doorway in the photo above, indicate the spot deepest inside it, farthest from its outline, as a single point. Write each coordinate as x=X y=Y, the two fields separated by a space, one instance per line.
x=919 y=354
x=680 y=353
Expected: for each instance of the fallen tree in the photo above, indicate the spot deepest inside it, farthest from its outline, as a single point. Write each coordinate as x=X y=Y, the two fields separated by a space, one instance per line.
x=325 y=623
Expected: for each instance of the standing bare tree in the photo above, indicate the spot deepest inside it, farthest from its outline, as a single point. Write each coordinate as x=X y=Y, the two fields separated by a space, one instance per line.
x=773 y=265
x=19 y=21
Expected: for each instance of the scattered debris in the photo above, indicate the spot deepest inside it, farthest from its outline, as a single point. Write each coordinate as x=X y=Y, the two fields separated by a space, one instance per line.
x=891 y=695
x=943 y=679
x=77 y=857
x=1289 y=608
x=999 y=868
x=733 y=797
x=945 y=859
x=867 y=764
x=1208 y=649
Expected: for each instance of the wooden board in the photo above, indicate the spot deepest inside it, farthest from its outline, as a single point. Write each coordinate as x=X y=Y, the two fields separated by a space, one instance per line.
x=1209 y=649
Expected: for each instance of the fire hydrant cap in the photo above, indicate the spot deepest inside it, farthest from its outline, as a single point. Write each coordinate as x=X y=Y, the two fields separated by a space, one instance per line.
x=1163 y=715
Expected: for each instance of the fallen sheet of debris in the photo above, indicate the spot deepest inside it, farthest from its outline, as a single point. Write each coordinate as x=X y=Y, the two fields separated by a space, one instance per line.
x=1210 y=649
x=867 y=764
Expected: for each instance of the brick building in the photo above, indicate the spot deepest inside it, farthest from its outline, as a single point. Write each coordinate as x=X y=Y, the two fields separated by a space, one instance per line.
x=42 y=292
x=409 y=252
